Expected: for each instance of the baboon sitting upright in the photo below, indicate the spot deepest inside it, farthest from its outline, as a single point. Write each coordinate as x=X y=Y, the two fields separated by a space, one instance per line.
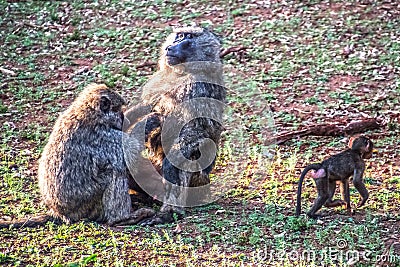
x=183 y=120
x=82 y=172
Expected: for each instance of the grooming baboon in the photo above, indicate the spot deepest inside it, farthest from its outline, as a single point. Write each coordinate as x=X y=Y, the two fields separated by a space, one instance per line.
x=338 y=168
x=82 y=172
x=182 y=122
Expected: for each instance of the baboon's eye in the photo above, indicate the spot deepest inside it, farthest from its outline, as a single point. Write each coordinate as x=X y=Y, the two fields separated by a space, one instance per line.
x=180 y=36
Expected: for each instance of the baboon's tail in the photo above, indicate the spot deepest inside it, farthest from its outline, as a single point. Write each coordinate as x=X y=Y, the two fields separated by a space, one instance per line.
x=35 y=221
x=315 y=166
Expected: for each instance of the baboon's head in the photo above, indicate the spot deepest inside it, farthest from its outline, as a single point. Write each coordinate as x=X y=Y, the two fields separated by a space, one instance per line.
x=100 y=105
x=363 y=145
x=189 y=44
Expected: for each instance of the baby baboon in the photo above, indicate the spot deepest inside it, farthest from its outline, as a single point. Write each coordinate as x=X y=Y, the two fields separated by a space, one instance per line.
x=338 y=168
x=82 y=172
x=185 y=106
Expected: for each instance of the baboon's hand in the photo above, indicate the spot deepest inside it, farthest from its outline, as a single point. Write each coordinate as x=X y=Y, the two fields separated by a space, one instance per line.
x=159 y=218
x=137 y=216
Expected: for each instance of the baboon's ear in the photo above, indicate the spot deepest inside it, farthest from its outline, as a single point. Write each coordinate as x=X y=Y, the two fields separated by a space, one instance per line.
x=351 y=141
x=368 y=145
x=105 y=104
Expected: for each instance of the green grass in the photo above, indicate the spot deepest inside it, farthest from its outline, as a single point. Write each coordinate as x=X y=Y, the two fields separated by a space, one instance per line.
x=308 y=62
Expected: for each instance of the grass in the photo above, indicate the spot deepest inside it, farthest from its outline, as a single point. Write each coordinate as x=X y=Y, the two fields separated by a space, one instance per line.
x=306 y=61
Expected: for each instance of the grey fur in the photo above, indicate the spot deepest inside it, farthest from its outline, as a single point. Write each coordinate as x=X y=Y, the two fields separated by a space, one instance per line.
x=200 y=76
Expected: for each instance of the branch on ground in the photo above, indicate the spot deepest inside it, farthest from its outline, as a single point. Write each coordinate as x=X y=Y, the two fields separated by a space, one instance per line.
x=335 y=128
x=7 y=72
x=231 y=50
x=146 y=64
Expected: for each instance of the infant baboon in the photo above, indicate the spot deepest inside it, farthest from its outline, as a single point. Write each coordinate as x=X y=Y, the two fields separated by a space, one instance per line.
x=184 y=102
x=339 y=168
x=82 y=173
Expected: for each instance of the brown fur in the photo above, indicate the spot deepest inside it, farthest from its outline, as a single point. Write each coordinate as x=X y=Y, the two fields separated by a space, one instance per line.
x=338 y=169
x=82 y=172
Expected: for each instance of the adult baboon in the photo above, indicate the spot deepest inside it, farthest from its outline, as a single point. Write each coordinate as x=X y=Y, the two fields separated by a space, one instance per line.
x=339 y=168
x=82 y=173
x=183 y=105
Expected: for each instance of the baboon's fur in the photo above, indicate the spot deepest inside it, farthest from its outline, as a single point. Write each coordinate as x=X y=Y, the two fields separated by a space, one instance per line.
x=200 y=76
x=82 y=172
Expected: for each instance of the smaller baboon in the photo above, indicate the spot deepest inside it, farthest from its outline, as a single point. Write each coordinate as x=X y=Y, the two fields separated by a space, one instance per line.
x=82 y=172
x=338 y=168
